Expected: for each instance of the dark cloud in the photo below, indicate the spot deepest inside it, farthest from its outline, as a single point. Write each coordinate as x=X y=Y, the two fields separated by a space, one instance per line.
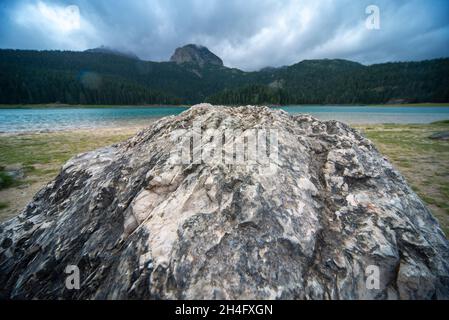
x=247 y=34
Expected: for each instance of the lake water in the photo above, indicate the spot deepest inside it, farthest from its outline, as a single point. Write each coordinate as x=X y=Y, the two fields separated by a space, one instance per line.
x=375 y=115
x=23 y=120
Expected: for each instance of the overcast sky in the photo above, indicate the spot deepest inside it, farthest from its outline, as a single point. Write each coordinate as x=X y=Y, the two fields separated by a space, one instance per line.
x=247 y=34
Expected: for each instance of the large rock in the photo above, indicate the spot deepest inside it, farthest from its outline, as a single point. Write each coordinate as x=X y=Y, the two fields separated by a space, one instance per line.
x=316 y=222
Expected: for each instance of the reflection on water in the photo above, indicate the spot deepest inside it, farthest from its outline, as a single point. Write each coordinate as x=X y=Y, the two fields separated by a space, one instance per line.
x=20 y=120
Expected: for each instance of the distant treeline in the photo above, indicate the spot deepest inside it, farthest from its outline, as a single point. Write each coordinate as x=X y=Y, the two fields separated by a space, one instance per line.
x=32 y=77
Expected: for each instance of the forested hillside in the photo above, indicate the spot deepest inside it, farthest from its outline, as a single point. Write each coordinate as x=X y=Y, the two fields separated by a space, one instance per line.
x=39 y=77
x=344 y=82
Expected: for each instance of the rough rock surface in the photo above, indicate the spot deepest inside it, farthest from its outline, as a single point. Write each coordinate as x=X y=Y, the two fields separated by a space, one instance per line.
x=139 y=226
x=196 y=54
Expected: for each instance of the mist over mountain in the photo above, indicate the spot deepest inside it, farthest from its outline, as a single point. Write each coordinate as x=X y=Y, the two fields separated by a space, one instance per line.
x=108 y=50
x=194 y=74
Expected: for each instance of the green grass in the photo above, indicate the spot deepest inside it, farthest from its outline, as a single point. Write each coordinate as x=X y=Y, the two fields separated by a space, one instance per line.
x=422 y=161
x=6 y=181
x=42 y=154
x=3 y=205
x=443 y=122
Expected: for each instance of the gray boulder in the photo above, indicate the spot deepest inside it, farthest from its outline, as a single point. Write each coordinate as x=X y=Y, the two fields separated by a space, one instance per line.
x=440 y=136
x=327 y=217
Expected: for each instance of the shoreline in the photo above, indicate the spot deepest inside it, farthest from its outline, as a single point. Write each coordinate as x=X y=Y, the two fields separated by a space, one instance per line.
x=98 y=129
x=90 y=106
x=186 y=106
x=130 y=126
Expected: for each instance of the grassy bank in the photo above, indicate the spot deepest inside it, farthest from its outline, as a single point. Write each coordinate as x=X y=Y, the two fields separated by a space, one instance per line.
x=40 y=156
x=423 y=162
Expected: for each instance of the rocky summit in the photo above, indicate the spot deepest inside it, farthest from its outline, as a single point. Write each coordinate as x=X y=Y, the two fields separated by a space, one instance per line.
x=195 y=54
x=324 y=216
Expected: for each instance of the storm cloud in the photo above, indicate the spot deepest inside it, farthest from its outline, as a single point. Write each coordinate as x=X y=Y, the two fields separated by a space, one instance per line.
x=246 y=34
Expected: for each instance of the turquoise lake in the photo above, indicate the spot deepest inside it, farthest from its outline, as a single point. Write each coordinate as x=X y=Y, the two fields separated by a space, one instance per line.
x=23 y=120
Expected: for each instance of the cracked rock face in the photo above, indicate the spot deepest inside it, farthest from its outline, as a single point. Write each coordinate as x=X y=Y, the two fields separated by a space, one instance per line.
x=312 y=225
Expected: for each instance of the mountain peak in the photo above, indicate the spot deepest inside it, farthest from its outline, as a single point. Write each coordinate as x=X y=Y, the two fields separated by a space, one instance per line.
x=193 y=53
